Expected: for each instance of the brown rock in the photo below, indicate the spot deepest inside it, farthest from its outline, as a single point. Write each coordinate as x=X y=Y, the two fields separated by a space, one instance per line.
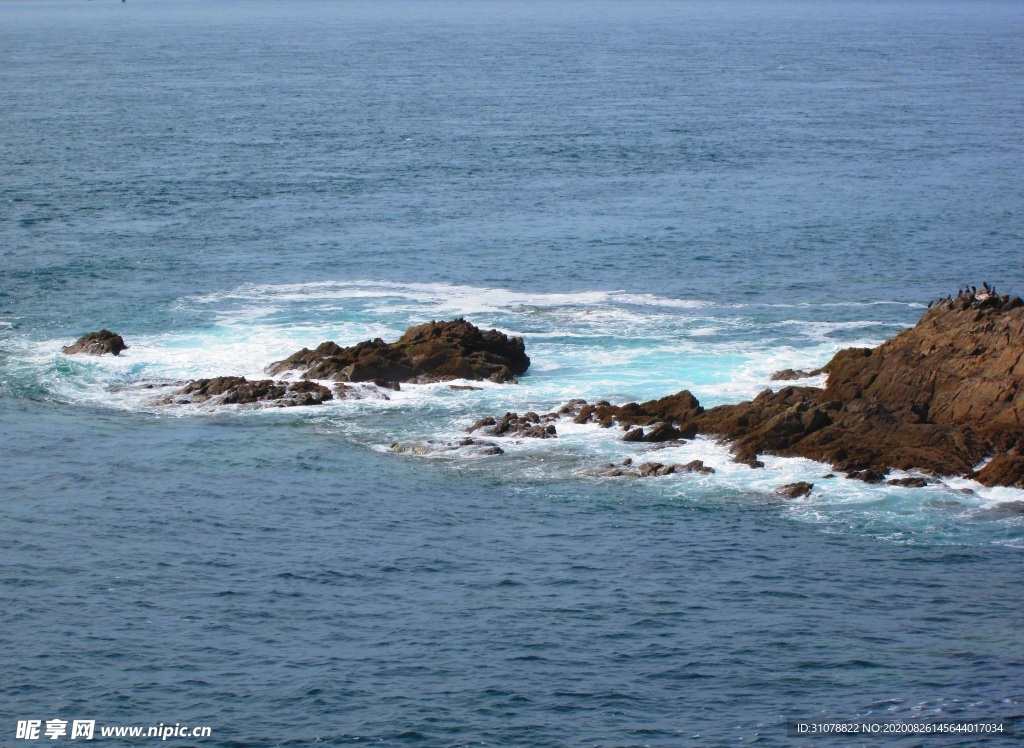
x=790 y=374
x=795 y=490
x=634 y=435
x=697 y=466
x=870 y=475
x=530 y=425
x=912 y=482
x=1002 y=470
x=434 y=352
x=97 y=343
x=679 y=410
x=938 y=397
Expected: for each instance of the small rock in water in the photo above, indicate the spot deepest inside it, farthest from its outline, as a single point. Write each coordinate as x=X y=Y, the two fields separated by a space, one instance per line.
x=362 y=391
x=470 y=445
x=912 y=482
x=649 y=469
x=790 y=374
x=531 y=425
x=871 y=475
x=97 y=344
x=795 y=490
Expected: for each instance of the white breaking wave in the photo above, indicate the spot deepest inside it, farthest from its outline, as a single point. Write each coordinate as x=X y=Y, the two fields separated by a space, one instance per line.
x=445 y=297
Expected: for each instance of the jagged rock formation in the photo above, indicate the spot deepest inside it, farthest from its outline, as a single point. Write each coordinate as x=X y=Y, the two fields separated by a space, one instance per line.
x=433 y=352
x=240 y=391
x=940 y=397
x=97 y=343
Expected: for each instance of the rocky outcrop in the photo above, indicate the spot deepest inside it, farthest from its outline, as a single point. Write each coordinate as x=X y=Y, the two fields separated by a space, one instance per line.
x=433 y=352
x=97 y=343
x=530 y=425
x=240 y=391
x=940 y=398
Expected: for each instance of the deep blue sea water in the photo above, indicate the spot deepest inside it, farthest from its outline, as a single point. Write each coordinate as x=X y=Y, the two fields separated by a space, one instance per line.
x=655 y=195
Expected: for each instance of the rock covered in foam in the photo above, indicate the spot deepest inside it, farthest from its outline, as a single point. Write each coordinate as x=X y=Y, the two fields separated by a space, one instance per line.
x=795 y=490
x=466 y=445
x=240 y=391
x=97 y=343
x=628 y=469
x=432 y=352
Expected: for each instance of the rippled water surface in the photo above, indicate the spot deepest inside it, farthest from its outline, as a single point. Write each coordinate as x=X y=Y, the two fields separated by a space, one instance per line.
x=655 y=196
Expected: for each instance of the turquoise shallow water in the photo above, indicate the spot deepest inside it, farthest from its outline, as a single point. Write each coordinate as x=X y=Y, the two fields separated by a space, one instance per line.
x=655 y=196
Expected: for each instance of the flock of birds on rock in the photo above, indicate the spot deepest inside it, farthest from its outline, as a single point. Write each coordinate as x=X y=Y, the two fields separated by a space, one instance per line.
x=971 y=291
x=969 y=296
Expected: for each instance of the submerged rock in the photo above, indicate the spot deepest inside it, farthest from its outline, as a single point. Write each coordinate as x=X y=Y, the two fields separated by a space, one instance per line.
x=433 y=352
x=870 y=475
x=795 y=490
x=789 y=374
x=240 y=391
x=530 y=425
x=363 y=391
x=97 y=344
x=627 y=469
x=912 y=482
x=478 y=447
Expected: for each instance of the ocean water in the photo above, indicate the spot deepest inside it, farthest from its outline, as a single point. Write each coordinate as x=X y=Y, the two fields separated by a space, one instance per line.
x=656 y=196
